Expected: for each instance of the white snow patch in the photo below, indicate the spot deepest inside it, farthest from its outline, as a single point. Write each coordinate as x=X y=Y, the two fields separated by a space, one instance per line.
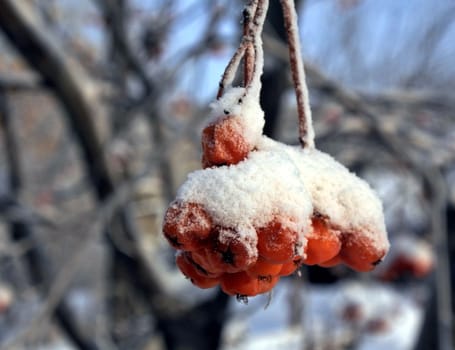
x=243 y=105
x=251 y=193
x=349 y=202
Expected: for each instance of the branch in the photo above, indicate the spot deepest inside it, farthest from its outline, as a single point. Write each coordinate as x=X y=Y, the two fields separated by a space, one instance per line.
x=113 y=12
x=36 y=260
x=306 y=132
x=76 y=91
x=250 y=47
x=19 y=82
x=65 y=275
x=248 y=61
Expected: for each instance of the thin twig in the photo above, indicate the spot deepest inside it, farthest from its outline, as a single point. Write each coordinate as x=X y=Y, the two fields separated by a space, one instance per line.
x=244 y=50
x=255 y=35
x=306 y=132
x=231 y=69
x=248 y=61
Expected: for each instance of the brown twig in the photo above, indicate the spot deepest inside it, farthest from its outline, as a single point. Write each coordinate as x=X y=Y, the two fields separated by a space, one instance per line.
x=306 y=132
x=248 y=60
x=231 y=68
x=253 y=15
x=255 y=32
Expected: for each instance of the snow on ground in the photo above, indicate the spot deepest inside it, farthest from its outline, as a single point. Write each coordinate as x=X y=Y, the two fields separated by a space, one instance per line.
x=367 y=314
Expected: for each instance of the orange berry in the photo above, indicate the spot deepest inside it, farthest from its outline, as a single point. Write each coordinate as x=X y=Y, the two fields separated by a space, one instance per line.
x=223 y=142
x=336 y=260
x=202 y=269
x=266 y=283
x=276 y=243
x=231 y=252
x=322 y=243
x=226 y=251
x=290 y=267
x=186 y=225
x=208 y=259
x=264 y=267
x=360 y=253
x=402 y=266
x=191 y=271
x=241 y=283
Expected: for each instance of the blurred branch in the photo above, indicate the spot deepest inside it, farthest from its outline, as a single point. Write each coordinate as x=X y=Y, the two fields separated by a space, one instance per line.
x=37 y=262
x=431 y=39
x=114 y=12
x=73 y=88
x=436 y=191
x=19 y=81
x=76 y=91
x=72 y=265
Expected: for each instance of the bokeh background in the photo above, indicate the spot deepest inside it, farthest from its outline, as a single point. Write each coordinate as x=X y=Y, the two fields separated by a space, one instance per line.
x=101 y=107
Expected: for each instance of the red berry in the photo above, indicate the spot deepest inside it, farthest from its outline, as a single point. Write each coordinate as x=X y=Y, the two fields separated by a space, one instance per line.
x=336 y=260
x=277 y=243
x=322 y=243
x=191 y=271
x=223 y=142
x=264 y=268
x=226 y=251
x=186 y=225
x=360 y=253
x=241 y=283
x=290 y=267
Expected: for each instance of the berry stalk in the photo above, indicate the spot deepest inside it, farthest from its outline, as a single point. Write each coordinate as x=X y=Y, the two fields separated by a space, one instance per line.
x=306 y=131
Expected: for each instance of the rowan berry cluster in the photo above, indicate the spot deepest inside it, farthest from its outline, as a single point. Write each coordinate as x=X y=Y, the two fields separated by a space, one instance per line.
x=260 y=209
x=232 y=230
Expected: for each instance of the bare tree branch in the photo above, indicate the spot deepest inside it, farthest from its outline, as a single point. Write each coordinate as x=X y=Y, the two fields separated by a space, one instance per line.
x=19 y=82
x=75 y=89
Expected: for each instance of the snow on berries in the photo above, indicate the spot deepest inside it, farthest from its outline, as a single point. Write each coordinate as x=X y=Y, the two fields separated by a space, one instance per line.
x=247 y=224
x=234 y=129
x=241 y=222
x=347 y=211
x=259 y=209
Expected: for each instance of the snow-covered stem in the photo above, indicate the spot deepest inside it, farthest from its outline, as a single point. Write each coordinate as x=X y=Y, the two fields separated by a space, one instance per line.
x=250 y=49
x=255 y=35
x=306 y=131
x=248 y=61
x=231 y=68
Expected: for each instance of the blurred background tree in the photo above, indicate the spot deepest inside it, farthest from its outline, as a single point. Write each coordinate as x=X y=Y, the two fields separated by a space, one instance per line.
x=101 y=106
